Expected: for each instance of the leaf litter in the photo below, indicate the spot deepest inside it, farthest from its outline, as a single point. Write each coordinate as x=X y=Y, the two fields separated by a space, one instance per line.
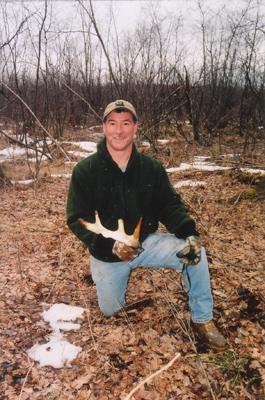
x=43 y=264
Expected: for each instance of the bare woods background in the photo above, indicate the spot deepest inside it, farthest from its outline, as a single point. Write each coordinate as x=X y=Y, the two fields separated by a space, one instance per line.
x=63 y=62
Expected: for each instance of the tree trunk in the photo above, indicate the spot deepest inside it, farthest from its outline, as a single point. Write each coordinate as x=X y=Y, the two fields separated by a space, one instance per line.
x=3 y=178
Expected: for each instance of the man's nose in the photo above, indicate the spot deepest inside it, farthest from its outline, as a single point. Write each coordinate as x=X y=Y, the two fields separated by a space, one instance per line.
x=118 y=128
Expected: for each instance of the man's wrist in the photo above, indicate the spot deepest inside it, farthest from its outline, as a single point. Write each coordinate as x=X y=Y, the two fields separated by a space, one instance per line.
x=188 y=229
x=191 y=252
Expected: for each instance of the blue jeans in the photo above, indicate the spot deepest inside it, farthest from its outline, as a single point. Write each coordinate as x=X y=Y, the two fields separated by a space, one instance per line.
x=159 y=252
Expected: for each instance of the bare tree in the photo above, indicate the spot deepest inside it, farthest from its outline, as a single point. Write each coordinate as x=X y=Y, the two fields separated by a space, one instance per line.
x=90 y=13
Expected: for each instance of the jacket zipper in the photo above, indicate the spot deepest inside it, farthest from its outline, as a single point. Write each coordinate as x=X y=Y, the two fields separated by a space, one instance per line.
x=124 y=196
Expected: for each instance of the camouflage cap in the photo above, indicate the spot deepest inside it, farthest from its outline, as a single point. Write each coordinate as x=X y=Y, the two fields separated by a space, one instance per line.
x=120 y=105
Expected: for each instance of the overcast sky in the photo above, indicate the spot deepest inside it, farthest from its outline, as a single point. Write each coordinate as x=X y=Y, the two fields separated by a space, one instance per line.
x=125 y=15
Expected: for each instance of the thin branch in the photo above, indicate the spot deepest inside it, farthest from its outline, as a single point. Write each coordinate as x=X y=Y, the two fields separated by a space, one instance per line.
x=93 y=20
x=19 y=260
x=231 y=264
x=25 y=145
x=16 y=33
x=152 y=376
x=38 y=121
x=25 y=380
x=78 y=95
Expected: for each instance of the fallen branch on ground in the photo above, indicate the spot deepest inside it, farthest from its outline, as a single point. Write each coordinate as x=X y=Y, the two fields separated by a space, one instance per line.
x=152 y=376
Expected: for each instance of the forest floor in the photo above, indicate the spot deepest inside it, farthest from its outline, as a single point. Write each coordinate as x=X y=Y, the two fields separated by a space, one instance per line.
x=42 y=263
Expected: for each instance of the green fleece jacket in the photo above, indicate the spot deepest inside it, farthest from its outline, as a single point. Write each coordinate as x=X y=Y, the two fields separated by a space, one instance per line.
x=144 y=189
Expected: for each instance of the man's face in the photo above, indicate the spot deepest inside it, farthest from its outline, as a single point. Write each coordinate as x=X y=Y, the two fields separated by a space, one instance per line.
x=119 y=129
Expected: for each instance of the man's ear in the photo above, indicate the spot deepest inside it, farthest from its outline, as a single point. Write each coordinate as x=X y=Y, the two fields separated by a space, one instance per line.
x=135 y=127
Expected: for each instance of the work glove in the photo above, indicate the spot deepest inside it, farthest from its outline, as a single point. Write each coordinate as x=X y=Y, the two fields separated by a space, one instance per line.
x=191 y=252
x=124 y=252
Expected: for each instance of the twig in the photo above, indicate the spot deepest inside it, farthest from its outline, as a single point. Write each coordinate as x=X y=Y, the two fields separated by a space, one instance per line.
x=25 y=380
x=125 y=314
x=230 y=264
x=152 y=376
x=60 y=263
x=170 y=279
x=19 y=261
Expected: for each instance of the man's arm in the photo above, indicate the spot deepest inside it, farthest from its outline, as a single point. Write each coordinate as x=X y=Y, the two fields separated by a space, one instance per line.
x=176 y=219
x=170 y=208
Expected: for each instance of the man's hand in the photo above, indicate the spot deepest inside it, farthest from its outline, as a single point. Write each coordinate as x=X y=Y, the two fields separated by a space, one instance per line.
x=124 y=252
x=191 y=252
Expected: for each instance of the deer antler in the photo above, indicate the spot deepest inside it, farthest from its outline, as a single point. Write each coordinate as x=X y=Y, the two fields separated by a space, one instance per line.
x=119 y=234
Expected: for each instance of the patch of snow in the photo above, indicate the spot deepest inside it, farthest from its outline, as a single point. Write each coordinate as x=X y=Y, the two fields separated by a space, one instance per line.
x=91 y=147
x=189 y=183
x=21 y=138
x=230 y=155
x=71 y=162
x=202 y=163
x=79 y=153
x=163 y=141
x=253 y=171
x=58 y=352
x=145 y=144
x=25 y=182
x=95 y=127
x=200 y=158
x=44 y=158
x=61 y=175
x=211 y=167
x=200 y=166
x=12 y=152
x=58 y=314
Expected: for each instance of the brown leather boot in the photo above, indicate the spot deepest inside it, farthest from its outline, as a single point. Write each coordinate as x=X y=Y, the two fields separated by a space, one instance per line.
x=210 y=335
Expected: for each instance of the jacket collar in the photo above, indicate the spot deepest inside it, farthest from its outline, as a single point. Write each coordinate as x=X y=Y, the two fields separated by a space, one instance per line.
x=104 y=153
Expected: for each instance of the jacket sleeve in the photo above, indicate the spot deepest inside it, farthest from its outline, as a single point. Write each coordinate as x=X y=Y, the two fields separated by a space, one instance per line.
x=170 y=209
x=80 y=204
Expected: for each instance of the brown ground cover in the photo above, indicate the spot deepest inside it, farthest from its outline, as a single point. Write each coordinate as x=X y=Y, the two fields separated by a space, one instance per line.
x=42 y=263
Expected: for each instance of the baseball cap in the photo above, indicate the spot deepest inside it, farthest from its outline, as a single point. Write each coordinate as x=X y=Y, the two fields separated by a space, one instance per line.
x=120 y=105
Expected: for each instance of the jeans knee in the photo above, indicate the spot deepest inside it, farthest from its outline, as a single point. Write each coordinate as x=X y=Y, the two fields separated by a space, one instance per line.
x=109 y=309
x=108 y=313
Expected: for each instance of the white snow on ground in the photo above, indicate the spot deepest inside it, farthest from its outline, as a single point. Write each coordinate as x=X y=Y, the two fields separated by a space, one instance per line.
x=61 y=175
x=11 y=152
x=25 y=182
x=78 y=153
x=57 y=352
x=200 y=166
x=189 y=183
x=163 y=141
x=200 y=162
x=89 y=147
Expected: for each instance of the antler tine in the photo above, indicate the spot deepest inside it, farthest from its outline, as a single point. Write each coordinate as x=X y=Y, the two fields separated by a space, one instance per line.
x=119 y=234
x=136 y=233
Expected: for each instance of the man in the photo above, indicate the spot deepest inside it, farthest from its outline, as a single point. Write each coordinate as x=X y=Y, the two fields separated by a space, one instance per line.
x=118 y=182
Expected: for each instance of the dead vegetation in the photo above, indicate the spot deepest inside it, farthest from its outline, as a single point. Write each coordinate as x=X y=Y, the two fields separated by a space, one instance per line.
x=43 y=263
